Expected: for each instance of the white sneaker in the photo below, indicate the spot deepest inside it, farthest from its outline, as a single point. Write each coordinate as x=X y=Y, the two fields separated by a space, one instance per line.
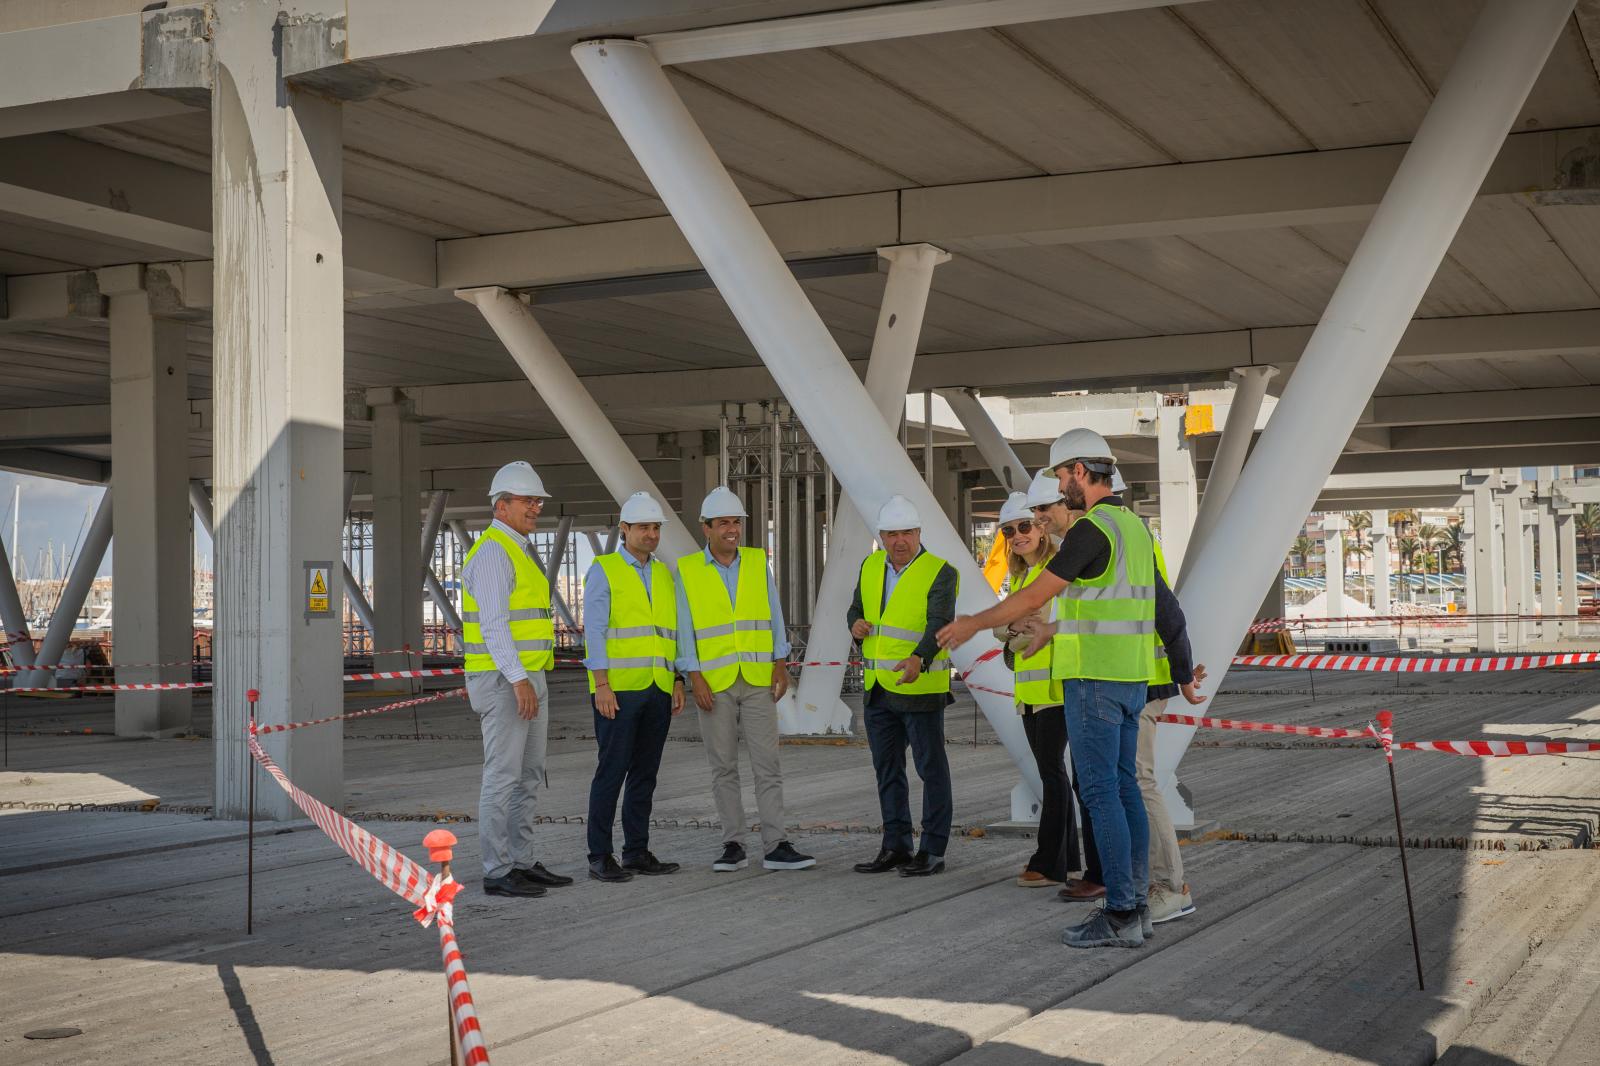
x=1165 y=904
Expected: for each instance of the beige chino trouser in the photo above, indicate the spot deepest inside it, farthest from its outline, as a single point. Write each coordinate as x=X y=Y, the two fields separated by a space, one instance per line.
x=743 y=708
x=1166 y=862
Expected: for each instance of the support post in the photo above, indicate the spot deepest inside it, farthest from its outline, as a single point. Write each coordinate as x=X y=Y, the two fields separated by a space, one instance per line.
x=788 y=334
x=1567 y=551
x=552 y=376
x=352 y=587
x=1244 y=411
x=1549 y=565
x=814 y=706
x=1397 y=258
x=1179 y=500
x=1514 y=554
x=1378 y=537
x=90 y=554
x=430 y=579
x=991 y=443
x=278 y=364
x=396 y=556
x=552 y=569
x=152 y=568
x=1333 y=527
x=13 y=620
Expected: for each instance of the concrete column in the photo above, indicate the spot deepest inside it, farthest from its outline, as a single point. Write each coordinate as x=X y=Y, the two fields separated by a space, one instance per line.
x=608 y=454
x=814 y=705
x=1549 y=566
x=1485 y=579
x=1567 y=550
x=789 y=335
x=1179 y=501
x=278 y=364
x=396 y=511
x=699 y=475
x=1249 y=389
x=947 y=489
x=1513 y=531
x=1333 y=527
x=152 y=567
x=13 y=622
x=1378 y=537
x=1398 y=255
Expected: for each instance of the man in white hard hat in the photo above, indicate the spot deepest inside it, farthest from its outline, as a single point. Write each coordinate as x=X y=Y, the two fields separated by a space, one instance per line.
x=902 y=599
x=509 y=639
x=1113 y=604
x=630 y=625
x=734 y=650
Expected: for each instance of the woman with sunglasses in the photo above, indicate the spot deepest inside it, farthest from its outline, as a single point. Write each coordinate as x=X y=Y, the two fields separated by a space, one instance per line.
x=1029 y=547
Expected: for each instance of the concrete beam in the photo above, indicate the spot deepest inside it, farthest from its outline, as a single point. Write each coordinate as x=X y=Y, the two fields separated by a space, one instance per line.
x=165 y=207
x=1266 y=192
x=52 y=464
x=1510 y=434
x=96 y=71
x=1454 y=409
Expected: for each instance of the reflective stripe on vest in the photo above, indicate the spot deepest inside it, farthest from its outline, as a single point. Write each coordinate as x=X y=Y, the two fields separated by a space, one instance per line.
x=898 y=626
x=1031 y=681
x=641 y=635
x=732 y=639
x=532 y=627
x=1162 y=673
x=1110 y=636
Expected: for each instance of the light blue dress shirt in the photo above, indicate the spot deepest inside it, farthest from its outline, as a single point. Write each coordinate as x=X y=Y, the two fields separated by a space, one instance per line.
x=688 y=654
x=597 y=607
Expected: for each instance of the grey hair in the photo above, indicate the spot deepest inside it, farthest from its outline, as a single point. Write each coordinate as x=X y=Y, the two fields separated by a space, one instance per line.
x=495 y=502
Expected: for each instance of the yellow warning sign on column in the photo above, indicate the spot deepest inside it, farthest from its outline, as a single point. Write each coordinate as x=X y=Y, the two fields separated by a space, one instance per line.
x=319 y=583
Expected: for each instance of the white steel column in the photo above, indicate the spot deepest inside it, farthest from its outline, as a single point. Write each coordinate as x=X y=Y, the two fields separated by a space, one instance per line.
x=791 y=338
x=13 y=621
x=1549 y=566
x=1380 y=290
x=463 y=534
x=396 y=556
x=1244 y=410
x=1378 y=537
x=552 y=569
x=1513 y=529
x=430 y=539
x=1567 y=549
x=152 y=568
x=814 y=706
x=991 y=443
x=1333 y=527
x=76 y=589
x=278 y=365
x=1179 y=500
x=602 y=446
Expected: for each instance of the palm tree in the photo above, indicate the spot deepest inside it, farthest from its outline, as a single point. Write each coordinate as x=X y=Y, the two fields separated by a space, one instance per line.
x=1359 y=522
x=1454 y=547
x=1402 y=519
x=1357 y=550
x=1406 y=548
x=1430 y=538
x=1589 y=525
x=1302 y=547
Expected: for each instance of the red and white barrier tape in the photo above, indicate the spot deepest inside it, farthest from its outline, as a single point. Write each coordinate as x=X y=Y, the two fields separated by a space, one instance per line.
x=1418 y=664
x=1274 y=625
x=469 y=1034
x=1499 y=749
x=369 y=712
x=98 y=666
x=115 y=688
x=1266 y=727
x=389 y=675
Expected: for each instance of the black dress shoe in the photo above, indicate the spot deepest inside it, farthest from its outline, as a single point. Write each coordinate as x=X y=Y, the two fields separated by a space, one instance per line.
x=887 y=860
x=923 y=865
x=606 y=869
x=649 y=865
x=511 y=885
x=538 y=875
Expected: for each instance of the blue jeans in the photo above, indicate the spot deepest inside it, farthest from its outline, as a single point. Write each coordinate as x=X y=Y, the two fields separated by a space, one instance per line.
x=630 y=754
x=888 y=732
x=1103 y=722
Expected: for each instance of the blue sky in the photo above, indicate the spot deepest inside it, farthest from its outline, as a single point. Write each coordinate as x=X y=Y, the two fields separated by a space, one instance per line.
x=58 y=511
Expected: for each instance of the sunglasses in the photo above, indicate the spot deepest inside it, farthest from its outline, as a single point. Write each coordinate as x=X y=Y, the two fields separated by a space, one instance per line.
x=1024 y=527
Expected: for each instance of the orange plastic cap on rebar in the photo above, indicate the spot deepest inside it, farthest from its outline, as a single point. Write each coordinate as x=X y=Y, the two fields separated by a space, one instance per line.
x=439 y=842
x=1386 y=719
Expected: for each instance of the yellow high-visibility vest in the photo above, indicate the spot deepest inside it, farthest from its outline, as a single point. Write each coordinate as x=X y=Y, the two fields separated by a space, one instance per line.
x=1030 y=680
x=532 y=627
x=1106 y=625
x=733 y=639
x=898 y=626
x=642 y=633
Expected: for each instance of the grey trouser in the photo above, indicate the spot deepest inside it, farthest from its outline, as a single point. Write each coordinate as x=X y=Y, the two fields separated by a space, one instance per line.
x=513 y=769
x=1166 y=861
x=744 y=708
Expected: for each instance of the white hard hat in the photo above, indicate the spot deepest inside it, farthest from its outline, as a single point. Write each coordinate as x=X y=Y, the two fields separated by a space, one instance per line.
x=898 y=513
x=1015 y=507
x=518 y=479
x=1117 y=484
x=641 y=507
x=1044 y=490
x=722 y=502
x=1086 y=446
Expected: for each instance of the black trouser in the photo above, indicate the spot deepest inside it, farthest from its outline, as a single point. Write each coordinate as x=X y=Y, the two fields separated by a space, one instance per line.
x=888 y=733
x=630 y=753
x=1057 y=851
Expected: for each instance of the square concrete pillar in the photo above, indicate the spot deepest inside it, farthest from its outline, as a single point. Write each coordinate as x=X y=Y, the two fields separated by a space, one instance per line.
x=278 y=365
x=1378 y=537
x=396 y=524
x=151 y=564
x=1333 y=527
x=1180 y=501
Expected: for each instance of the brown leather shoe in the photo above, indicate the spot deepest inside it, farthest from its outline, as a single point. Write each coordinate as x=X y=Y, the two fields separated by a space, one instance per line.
x=1078 y=890
x=1035 y=879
